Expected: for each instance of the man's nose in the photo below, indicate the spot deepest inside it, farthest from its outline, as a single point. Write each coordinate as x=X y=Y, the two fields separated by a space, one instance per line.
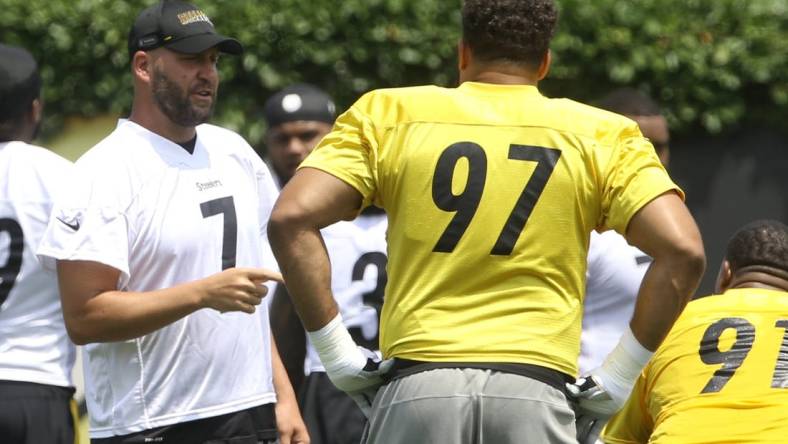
x=296 y=145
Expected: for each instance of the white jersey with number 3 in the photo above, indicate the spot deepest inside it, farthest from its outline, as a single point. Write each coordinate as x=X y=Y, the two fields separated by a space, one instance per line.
x=615 y=271
x=162 y=217
x=34 y=346
x=357 y=251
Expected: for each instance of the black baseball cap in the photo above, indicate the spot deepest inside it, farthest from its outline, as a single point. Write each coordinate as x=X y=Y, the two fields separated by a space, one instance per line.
x=179 y=26
x=20 y=82
x=300 y=101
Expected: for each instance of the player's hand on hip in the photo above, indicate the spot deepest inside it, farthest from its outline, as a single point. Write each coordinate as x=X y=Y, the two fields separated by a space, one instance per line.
x=593 y=407
x=370 y=376
x=358 y=370
x=236 y=289
x=601 y=393
x=351 y=368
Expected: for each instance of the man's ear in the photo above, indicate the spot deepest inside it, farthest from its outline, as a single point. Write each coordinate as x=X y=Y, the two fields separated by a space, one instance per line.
x=464 y=61
x=36 y=111
x=142 y=66
x=544 y=66
x=463 y=55
x=724 y=277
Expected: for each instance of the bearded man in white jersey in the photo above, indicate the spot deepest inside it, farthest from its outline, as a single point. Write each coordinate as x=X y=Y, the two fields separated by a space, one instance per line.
x=298 y=116
x=36 y=356
x=161 y=257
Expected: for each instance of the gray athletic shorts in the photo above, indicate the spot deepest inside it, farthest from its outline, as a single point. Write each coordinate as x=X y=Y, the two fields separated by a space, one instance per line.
x=470 y=406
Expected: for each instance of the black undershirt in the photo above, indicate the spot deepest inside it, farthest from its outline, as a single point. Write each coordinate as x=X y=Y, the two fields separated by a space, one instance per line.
x=189 y=144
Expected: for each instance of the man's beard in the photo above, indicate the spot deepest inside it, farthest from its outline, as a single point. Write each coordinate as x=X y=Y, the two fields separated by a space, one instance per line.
x=175 y=104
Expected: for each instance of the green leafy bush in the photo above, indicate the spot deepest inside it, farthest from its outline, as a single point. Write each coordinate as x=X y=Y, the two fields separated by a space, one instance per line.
x=711 y=63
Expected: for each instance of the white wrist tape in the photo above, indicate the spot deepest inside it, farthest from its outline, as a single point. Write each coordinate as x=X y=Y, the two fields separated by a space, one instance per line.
x=336 y=347
x=623 y=366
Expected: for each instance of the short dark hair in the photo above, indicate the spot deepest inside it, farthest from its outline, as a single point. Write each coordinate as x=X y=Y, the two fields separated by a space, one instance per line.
x=759 y=243
x=630 y=102
x=515 y=31
x=20 y=84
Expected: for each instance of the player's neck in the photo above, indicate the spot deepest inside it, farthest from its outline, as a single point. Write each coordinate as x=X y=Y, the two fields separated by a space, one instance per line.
x=152 y=119
x=500 y=74
x=16 y=137
x=18 y=133
x=760 y=279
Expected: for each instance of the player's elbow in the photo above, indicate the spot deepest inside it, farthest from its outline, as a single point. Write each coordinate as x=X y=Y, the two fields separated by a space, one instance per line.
x=78 y=339
x=689 y=257
x=81 y=327
x=287 y=219
x=78 y=334
x=686 y=262
x=85 y=331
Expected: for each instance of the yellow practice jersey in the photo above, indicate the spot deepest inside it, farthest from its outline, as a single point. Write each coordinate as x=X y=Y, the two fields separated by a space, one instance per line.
x=721 y=376
x=491 y=193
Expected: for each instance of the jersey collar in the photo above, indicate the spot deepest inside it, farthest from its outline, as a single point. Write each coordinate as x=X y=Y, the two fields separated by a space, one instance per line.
x=167 y=147
x=496 y=88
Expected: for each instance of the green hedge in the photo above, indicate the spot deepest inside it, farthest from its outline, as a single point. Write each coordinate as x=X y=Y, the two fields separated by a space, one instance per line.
x=712 y=63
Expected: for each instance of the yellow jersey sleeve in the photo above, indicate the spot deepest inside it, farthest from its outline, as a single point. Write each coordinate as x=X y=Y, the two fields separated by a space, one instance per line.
x=634 y=176
x=349 y=152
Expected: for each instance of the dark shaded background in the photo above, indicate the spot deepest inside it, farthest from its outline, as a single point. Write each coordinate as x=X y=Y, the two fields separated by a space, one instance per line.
x=730 y=180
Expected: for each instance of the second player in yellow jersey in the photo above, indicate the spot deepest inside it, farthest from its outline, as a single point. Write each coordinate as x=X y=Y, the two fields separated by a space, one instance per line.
x=721 y=376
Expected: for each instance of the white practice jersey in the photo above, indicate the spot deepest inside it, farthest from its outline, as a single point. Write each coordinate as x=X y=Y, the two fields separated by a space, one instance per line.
x=162 y=217
x=357 y=250
x=34 y=346
x=615 y=271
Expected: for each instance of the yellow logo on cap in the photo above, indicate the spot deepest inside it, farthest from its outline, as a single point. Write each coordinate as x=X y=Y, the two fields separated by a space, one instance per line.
x=193 y=16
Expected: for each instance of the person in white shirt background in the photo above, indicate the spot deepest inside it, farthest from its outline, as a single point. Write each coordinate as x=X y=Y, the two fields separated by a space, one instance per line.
x=161 y=252
x=36 y=356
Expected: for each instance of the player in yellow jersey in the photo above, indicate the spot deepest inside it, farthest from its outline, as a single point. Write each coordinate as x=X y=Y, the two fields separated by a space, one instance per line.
x=721 y=376
x=492 y=191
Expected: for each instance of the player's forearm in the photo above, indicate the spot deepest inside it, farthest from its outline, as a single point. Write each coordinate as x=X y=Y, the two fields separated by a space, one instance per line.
x=311 y=200
x=666 y=288
x=119 y=315
x=665 y=229
x=304 y=262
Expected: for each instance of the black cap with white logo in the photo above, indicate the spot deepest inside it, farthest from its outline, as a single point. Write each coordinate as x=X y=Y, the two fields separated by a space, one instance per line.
x=300 y=101
x=178 y=26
